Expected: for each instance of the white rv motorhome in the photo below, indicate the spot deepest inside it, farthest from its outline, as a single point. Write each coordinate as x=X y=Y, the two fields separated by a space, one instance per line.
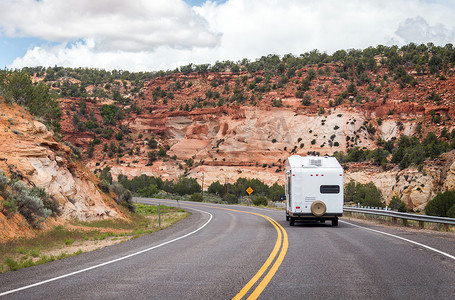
x=314 y=189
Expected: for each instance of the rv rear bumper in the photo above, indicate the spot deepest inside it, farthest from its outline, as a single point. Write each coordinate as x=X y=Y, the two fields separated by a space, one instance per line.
x=310 y=216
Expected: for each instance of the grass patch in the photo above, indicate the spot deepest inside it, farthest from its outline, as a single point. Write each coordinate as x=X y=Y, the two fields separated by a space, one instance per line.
x=69 y=241
x=11 y=263
x=34 y=252
x=111 y=224
x=144 y=210
x=21 y=252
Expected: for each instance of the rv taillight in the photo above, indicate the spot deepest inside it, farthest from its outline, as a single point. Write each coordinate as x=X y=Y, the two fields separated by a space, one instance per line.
x=317 y=175
x=298 y=207
x=341 y=174
x=322 y=174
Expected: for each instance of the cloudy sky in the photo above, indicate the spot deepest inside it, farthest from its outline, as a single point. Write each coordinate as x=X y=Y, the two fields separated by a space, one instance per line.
x=151 y=35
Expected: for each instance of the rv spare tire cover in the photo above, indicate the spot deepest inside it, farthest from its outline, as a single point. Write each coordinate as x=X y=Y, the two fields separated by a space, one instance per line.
x=318 y=208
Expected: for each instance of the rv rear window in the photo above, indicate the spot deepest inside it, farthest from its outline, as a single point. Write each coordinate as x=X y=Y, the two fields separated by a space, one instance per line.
x=330 y=189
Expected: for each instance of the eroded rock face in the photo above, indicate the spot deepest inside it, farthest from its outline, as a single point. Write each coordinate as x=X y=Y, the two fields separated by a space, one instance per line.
x=449 y=183
x=28 y=149
x=415 y=187
x=254 y=142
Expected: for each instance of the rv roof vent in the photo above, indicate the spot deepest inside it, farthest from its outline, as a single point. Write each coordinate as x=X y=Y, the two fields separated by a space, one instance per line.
x=316 y=162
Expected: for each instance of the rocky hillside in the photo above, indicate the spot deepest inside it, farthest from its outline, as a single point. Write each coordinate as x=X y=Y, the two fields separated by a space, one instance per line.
x=244 y=119
x=29 y=153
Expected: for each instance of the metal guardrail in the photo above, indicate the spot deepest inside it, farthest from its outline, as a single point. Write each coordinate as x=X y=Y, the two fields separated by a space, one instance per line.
x=404 y=216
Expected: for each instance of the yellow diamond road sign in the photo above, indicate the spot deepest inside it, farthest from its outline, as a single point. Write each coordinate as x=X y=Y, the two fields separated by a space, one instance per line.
x=249 y=190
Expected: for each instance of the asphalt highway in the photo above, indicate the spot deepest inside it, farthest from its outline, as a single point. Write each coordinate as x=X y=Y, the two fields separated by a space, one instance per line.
x=222 y=252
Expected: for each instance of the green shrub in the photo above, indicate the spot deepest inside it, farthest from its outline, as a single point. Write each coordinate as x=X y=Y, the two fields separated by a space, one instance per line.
x=76 y=152
x=35 y=252
x=365 y=194
x=306 y=100
x=9 y=207
x=11 y=263
x=110 y=114
x=275 y=191
x=196 y=197
x=3 y=181
x=162 y=152
x=104 y=186
x=148 y=191
x=216 y=188
x=231 y=199
x=260 y=200
x=49 y=202
x=69 y=241
x=124 y=196
x=152 y=143
x=451 y=212
x=396 y=203
x=29 y=204
x=106 y=175
x=187 y=186
x=441 y=204
x=26 y=263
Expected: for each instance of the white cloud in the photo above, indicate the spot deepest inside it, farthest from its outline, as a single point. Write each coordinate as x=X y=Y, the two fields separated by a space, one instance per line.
x=253 y=28
x=152 y=35
x=83 y=54
x=112 y=24
x=417 y=30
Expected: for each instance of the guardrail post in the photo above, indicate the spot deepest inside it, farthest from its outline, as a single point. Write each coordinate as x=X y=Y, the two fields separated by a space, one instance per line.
x=405 y=222
x=446 y=227
x=421 y=224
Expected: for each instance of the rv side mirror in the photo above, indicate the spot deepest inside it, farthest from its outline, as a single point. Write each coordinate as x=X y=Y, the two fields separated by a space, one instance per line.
x=282 y=197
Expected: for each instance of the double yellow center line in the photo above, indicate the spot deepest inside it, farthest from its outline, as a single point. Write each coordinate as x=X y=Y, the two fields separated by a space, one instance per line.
x=278 y=253
x=281 y=243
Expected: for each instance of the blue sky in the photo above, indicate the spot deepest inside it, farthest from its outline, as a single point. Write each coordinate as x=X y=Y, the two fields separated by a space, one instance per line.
x=143 y=35
x=11 y=48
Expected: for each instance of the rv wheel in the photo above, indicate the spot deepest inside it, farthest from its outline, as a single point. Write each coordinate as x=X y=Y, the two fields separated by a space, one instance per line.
x=287 y=217
x=335 y=222
x=291 y=221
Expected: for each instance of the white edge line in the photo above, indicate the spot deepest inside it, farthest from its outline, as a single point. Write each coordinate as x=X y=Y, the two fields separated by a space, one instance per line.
x=108 y=262
x=404 y=239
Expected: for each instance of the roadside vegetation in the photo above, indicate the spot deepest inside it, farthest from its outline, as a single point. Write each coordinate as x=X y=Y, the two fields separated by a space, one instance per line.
x=363 y=194
x=189 y=189
x=39 y=100
x=368 y=195
x=443 y=205
x=78 y=237
x=33 y=203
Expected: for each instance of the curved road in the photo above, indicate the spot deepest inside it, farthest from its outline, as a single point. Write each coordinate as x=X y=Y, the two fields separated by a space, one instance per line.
x=221 y=252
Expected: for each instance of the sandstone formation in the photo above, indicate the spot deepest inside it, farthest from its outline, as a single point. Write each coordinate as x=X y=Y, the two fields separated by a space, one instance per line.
x=29 y=150
x=415 y=187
